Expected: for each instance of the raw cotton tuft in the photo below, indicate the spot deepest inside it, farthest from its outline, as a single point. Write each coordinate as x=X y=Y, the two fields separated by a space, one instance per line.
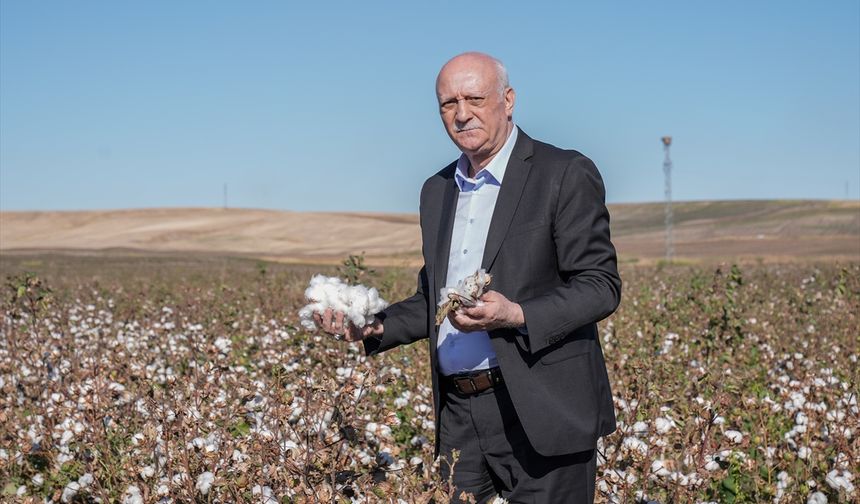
x=358 y=303
x=466 y=293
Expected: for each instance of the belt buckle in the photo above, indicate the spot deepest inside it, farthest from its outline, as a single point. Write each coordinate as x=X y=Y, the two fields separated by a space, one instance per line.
x=459 y=384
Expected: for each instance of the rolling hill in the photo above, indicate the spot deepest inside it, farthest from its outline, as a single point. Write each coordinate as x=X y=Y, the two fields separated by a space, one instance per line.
x=743 y=230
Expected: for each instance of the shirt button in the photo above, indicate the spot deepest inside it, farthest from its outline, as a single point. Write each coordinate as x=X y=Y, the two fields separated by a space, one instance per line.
x=465 y=250
x=471 y=221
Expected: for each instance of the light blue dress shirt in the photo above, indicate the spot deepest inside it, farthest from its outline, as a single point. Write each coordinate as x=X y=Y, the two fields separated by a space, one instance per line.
x=460 y=352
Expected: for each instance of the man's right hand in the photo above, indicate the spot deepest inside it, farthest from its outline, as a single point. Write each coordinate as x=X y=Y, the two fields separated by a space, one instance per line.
x=333 y=323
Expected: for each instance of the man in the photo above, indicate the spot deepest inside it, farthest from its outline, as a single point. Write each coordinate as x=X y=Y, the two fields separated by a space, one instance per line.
x=520 y=384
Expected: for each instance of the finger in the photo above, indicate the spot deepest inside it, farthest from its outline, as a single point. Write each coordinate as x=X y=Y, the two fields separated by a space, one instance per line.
x=475 y=312
x=338 y=323
x=463 y=323
x=327 y=316
x=353 y=333
x=452 y=317
x=359 y=333
x=350 y=333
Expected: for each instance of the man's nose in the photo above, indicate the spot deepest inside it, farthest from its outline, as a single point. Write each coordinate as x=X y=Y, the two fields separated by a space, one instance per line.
x=463 y=112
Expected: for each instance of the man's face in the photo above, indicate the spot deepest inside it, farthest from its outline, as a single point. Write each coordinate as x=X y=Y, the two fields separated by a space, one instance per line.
x=475 y=113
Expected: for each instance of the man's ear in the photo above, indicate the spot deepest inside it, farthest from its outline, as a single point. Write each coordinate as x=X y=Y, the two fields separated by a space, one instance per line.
x=510 y=98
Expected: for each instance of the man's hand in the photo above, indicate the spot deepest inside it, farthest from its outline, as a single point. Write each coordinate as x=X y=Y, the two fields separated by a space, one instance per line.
x=496 y=312
x=333 y=323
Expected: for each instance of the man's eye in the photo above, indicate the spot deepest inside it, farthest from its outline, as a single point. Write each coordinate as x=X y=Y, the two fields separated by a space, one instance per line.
x=448 y=105
x=476 y=100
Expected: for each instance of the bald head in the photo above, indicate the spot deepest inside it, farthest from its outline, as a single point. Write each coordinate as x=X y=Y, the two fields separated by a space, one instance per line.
x=478 y=60
x=476 y=104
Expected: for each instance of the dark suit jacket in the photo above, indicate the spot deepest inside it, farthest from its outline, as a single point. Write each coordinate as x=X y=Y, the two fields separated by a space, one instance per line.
x=548 y=249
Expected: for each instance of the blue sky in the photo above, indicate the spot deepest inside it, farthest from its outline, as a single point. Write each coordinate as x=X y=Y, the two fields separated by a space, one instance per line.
x=331 y=105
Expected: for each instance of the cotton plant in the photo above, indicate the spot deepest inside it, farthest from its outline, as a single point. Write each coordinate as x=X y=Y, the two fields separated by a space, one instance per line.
x=358 y=303
x=229 y=419
x=467 y=292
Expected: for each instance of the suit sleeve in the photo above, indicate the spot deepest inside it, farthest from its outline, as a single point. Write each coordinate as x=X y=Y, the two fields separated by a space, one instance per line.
x=406 y=321
x=403 y=322
x=591 y=287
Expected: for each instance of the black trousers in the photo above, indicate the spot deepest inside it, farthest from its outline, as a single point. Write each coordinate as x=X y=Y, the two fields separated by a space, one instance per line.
x=496 y=458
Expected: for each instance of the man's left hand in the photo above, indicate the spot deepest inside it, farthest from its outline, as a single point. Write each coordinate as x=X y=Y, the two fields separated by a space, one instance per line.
x=495 y=312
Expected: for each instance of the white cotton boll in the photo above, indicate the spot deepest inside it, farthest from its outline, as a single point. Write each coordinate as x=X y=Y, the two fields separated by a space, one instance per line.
x=223 y=345
x=664 y=425
x=840 y=480
x=817 y=498
x=204 y=482
x=132 y=496
x=86 y=480
x=640 y=428
x=70 y=491
x=659 y=468
x=782 y=481
x=265 y=493
x=633 y=443
x=734 y=436
x=364 y=458
x=306 y=315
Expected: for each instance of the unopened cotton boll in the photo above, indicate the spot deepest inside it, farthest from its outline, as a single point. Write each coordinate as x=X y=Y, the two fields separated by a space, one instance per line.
x=358 y=303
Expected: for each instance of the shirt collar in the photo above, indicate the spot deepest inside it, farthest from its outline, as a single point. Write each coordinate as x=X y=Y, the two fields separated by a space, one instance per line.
x=493 y=173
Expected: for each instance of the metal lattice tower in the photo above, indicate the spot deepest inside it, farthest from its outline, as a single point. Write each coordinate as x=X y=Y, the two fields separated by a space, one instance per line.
x=667 y=174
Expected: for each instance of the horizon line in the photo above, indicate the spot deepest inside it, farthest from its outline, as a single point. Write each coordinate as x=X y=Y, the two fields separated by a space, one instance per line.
x=361 y=211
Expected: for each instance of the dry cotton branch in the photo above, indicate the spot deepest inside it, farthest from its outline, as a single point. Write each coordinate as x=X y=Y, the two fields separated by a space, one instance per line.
x=466 y=293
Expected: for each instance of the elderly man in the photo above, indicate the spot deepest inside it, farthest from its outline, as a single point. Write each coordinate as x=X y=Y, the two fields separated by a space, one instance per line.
x=519 y=381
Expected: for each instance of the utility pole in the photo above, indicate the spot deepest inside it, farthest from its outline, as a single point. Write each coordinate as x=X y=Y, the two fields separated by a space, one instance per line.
x=225 y=196
x=667 y=175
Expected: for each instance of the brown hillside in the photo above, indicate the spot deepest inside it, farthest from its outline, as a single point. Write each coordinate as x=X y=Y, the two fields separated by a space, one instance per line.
x=703 y=230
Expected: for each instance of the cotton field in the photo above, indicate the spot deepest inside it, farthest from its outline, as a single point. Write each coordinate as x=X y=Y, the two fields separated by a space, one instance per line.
x=177 y=379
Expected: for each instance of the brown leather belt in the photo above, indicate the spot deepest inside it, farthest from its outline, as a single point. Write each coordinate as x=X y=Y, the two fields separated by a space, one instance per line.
x=474 y=383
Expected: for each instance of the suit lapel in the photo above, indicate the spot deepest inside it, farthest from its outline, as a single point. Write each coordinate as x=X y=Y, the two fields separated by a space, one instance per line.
x=516 y=174
x=446 y=226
